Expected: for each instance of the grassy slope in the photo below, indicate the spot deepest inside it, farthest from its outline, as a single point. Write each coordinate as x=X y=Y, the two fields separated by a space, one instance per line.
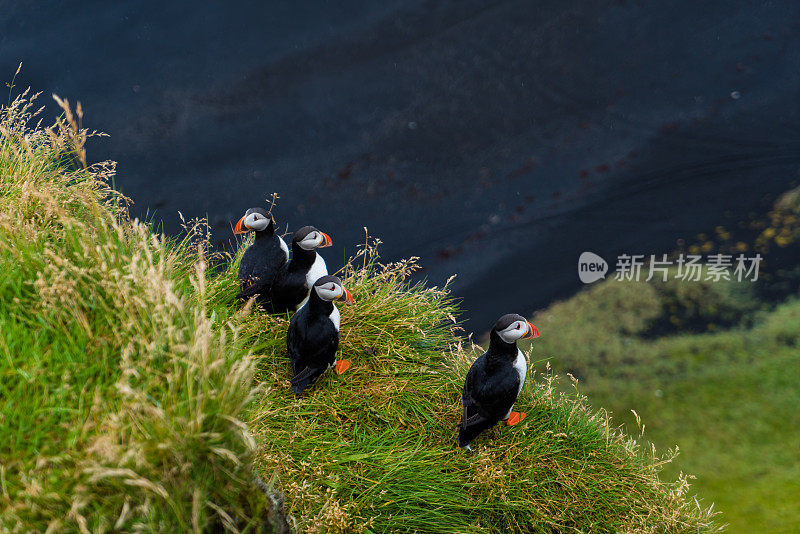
x=727 y=398
x=126 y=374
x=374 y=450
x=120 y=400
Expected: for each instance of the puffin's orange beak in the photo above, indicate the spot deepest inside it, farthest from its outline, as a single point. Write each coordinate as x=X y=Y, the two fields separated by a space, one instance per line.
x=347 y=297
x=240 y=227
x=327 y=241
x=532 y=332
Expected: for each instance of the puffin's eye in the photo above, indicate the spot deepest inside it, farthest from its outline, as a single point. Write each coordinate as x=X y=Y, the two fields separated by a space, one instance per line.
x=333 y=288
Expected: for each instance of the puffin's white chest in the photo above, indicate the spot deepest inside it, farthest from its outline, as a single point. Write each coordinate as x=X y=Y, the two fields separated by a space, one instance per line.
x=284 y=247
x=521 y=366
x=335 y=317
x=318 y=269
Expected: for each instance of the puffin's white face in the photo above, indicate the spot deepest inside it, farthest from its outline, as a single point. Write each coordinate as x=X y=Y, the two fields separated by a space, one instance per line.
x=256 y=221
x=519 y=329
x=328 y=288
x=315 y=239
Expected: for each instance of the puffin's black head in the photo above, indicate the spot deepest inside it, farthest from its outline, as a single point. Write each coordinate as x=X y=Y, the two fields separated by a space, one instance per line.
x=309 y=238
x=330 y=288
x=512 y=327
x=257 y=219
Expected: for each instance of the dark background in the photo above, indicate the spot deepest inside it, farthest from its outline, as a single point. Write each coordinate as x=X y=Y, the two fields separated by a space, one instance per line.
x=495 y=140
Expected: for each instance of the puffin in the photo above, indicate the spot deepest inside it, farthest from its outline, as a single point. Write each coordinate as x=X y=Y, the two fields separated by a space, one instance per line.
x=495 y=380
x=264 y=259
x=293 y=283
x=313 y=336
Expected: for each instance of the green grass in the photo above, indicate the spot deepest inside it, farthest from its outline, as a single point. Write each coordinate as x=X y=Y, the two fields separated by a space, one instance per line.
x=121 y=401
x=727 y=398
x=138 y=396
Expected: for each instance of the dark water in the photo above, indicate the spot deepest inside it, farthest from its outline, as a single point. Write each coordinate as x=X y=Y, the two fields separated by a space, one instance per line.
x=496 y=140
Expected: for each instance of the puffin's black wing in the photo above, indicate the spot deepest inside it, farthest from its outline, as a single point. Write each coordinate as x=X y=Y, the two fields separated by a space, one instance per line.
x=311 y=352
x=472 y=410
x=260 y=265
x=252 y=263
x=288 y=291
x=294 y=339
x=255 y=286
x=474 y=418
x=496 y=393
x=486 y=399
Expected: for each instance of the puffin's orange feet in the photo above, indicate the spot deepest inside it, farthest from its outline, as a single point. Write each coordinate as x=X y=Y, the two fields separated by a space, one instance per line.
x=515 y=418
x=342 y=366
